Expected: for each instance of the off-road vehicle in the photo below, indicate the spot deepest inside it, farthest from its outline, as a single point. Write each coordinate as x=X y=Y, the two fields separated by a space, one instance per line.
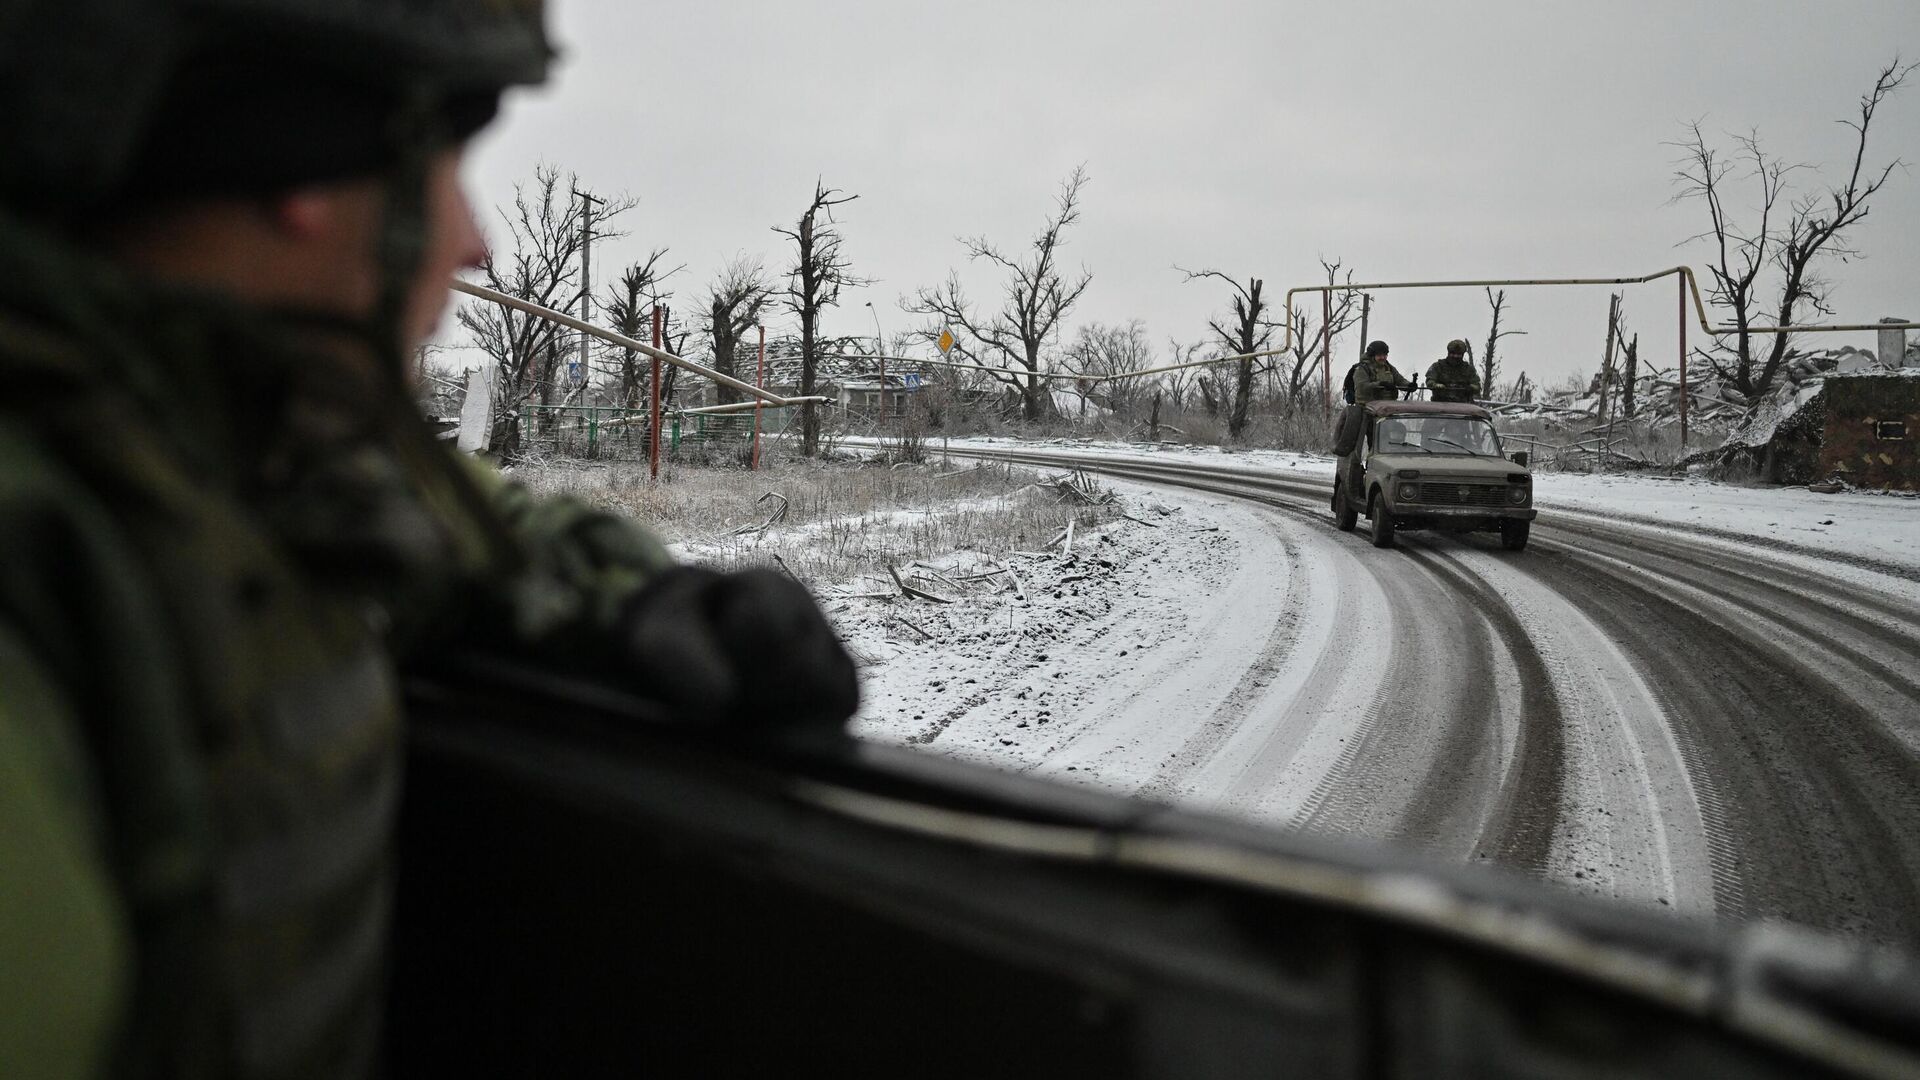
x=1430 y=465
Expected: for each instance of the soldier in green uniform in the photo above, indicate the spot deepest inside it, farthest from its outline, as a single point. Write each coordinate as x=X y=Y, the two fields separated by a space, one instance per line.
x=1452 y=377
x=1375 y=378
x=1372 y=379
x=224 y=225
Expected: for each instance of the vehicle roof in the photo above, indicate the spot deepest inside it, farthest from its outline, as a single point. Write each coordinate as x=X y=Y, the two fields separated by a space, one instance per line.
x=1427 y=408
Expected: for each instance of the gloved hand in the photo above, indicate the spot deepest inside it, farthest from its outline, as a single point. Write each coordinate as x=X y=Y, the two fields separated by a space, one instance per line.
x=746 y=650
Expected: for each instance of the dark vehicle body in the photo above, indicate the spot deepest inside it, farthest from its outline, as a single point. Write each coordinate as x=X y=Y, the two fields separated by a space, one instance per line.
x=589 y=891
x=1431 y=465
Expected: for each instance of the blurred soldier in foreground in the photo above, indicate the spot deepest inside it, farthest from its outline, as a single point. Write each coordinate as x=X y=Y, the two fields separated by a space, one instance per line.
x=224 y=225
x=1452 y=377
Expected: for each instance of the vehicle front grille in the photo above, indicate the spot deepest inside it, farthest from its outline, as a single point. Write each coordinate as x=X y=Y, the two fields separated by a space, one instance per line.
x=1448 y=493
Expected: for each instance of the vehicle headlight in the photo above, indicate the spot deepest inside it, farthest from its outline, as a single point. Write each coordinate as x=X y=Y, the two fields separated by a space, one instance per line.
x=1409 y=492
x=1517 y=494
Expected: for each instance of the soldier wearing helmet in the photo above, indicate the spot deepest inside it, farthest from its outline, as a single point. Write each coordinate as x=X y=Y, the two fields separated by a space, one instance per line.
x=224 y=225
x=1452 y=377
x=1375 y=378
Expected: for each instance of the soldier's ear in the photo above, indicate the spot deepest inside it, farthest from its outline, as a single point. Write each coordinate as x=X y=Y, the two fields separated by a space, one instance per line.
x=305 y=214
x=320 y=213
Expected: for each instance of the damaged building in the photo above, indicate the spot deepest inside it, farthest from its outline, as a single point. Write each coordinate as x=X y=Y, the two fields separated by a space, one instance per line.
x=1858 y=427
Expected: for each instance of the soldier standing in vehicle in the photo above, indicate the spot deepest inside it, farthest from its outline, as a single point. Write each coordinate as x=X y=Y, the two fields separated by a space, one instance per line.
x=1374 y=378
x=225 y=226
x=1452 y=377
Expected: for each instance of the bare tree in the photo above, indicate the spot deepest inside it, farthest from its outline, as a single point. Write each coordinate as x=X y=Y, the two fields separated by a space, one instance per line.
x=629 y=305
x=1179 y=384
x=1817 y=224
x=1214 y=386
x=1775 y=255
x=1037 y=296
x=1740 y=255
x=541 y=264
x=1100 y=350
x=820 y=269
x=735 y=301
x=1630 y=378
x=1304 y=354
x=1489 y=362
x=1523 y=389
x=1608 y=374
x=1248 y=332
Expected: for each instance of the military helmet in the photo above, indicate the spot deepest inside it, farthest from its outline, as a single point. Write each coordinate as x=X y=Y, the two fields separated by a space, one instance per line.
x=1378 y=348
x=100 y=100
x=1456 y=347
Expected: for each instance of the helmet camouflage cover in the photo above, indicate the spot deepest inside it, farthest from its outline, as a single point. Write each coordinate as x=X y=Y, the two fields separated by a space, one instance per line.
x=1456 y=347
x=81 y=81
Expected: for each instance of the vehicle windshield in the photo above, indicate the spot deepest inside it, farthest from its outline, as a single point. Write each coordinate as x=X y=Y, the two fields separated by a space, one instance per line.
x=1436 y=435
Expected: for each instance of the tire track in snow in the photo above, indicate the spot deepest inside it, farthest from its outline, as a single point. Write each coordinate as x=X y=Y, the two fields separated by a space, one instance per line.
x=1818 y=805
x=1527 y=815
x=1635 y=823
x=1742 y=707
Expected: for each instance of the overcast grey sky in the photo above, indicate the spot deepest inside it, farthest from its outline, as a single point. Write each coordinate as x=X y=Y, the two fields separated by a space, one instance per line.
x=1412 y=140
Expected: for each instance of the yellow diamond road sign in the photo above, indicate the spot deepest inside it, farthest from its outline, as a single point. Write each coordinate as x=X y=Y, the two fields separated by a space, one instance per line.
x=946 y=342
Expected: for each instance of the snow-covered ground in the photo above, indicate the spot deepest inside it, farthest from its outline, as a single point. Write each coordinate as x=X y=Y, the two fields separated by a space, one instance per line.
x=1848 y=526
x=1587 y=712
x=1086 y=677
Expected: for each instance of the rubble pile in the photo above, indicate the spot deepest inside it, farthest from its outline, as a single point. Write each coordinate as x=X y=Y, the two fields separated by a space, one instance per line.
x=1749 y=421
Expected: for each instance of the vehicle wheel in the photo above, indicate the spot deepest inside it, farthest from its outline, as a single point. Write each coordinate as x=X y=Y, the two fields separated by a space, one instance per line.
x=1345 y=517
x=1382 y=524
x=1513 y=534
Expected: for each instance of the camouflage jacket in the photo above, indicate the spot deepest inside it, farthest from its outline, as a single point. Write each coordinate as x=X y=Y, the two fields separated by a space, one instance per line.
x=1375 y=379
x=1453 y=379
x=224 y=535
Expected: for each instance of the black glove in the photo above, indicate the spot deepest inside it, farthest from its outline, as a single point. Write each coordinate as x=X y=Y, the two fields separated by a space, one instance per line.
x=746 y=650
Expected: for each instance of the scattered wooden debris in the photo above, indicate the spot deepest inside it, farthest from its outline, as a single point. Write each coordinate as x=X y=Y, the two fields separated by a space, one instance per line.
x=909 y=590
x=1079 y=487
x=1019 y=587
x=911 y=625
x=935 y=571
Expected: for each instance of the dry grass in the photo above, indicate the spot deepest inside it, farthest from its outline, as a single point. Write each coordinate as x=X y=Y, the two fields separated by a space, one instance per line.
x=842 y=519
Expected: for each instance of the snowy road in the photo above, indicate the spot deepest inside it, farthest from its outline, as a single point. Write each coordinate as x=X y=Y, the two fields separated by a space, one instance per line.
x=1725 y=727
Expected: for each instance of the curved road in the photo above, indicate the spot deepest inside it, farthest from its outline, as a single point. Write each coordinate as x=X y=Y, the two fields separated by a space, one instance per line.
x=1673 y=719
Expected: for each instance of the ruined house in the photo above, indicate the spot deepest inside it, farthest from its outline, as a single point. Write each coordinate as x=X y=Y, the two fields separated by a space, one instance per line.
x=1860 y=428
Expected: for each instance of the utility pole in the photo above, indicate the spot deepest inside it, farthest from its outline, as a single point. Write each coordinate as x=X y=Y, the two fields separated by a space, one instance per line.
x=587 y=203
x=653 y=419
x=759 y=380
x=1326 y=349
x=1366 y=312
x=880 y=353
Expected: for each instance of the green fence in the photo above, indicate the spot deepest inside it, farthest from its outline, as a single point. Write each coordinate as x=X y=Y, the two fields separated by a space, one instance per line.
x=699 y=429
x=584 y=431
x=607 y=433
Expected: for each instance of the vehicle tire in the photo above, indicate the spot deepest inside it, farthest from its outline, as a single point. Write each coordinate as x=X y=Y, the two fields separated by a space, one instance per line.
x=1513 y=534
x=1382 y=523
x=1345 y=517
